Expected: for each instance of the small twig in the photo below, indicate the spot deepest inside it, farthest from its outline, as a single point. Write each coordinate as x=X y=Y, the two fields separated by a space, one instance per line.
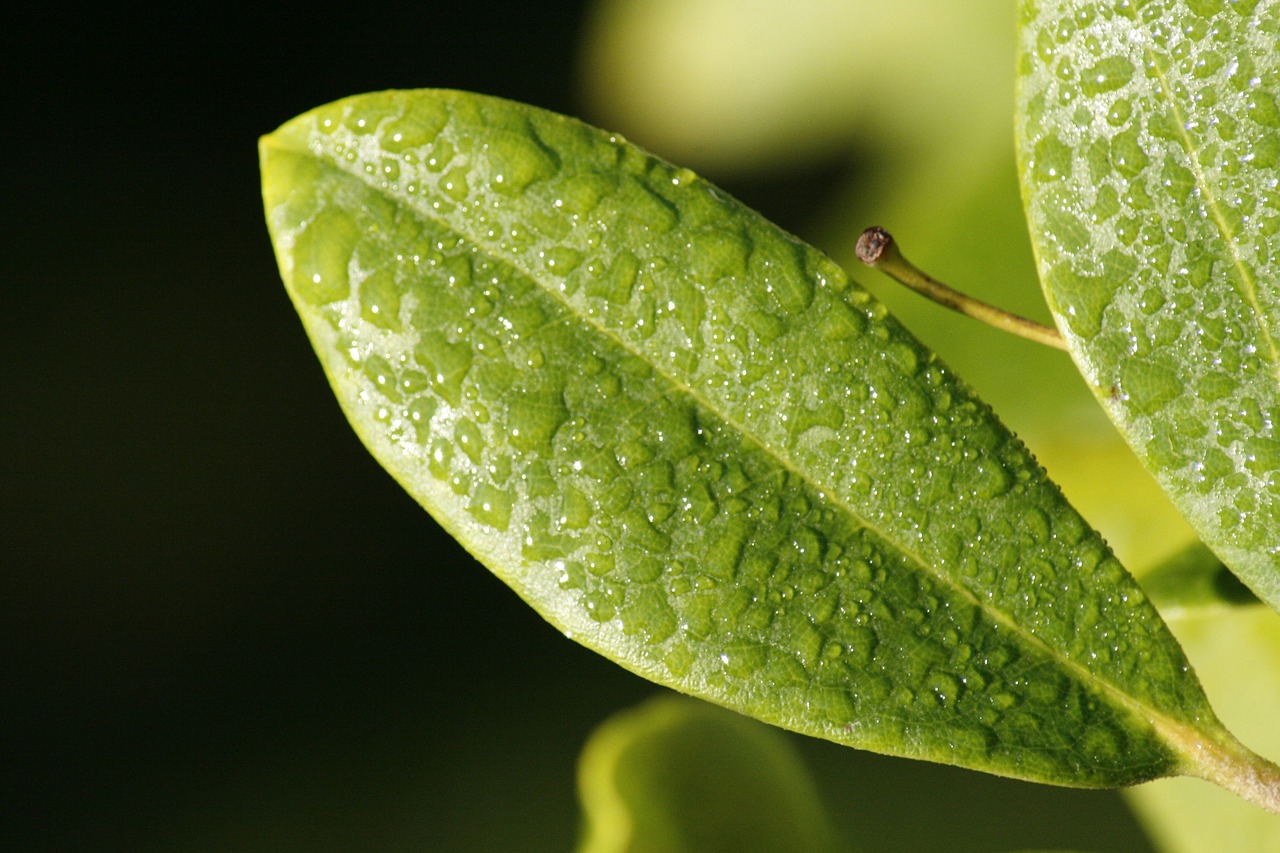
x=877 y=248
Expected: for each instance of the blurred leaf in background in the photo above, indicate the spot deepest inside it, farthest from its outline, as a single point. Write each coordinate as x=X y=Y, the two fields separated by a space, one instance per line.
x=682 y=776
x=729 y=86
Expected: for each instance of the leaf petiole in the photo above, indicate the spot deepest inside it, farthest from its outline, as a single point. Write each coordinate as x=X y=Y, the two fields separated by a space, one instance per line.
x=1230 y=765
x=877 y=248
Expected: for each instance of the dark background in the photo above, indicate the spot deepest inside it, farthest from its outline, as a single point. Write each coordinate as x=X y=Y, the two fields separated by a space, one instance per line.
x=222 y=626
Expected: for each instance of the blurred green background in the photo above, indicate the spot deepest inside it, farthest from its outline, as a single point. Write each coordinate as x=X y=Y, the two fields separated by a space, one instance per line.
x=222 y=625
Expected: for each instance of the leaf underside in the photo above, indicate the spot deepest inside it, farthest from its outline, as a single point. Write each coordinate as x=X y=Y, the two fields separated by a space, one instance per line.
x=1149 y=137
x=691 y=443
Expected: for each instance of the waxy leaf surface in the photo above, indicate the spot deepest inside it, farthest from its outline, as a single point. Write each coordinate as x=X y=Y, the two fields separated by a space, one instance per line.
x=691 y=443
x=1149 y=138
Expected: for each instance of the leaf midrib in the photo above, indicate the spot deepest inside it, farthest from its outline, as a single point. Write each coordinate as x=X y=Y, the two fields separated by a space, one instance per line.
x=1171 y=730
x=1248 y=282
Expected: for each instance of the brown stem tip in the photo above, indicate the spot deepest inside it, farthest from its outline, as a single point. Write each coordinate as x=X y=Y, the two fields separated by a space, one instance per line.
x=877 y=248
x=872 y=245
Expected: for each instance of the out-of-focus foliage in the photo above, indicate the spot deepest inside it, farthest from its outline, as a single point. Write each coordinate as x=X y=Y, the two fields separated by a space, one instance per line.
x=679 y=776
x=734 y=86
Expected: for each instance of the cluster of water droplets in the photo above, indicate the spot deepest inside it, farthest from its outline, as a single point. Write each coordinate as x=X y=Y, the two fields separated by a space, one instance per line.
x=1153 y=150
x=678 y=429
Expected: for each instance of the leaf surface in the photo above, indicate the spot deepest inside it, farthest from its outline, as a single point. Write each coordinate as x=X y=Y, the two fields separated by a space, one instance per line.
x=677 y=775
x=1149 y=139
x=691 y=443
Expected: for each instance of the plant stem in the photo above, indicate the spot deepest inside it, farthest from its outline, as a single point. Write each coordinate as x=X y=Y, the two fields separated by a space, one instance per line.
x=877 y=248
x=1232 y=766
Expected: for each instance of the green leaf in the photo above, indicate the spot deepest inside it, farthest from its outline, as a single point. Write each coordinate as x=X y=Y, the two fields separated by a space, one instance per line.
x=675 y=775
x=692 y=444
x=1150 y=153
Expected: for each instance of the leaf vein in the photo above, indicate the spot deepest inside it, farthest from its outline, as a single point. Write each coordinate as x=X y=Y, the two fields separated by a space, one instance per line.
x=1171 y=729
x=1248 y=282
